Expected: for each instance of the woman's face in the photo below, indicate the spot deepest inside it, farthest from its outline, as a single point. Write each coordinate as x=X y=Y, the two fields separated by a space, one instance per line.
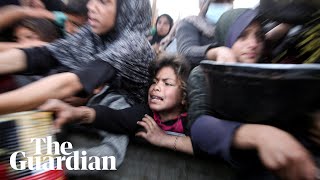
x=102 y=15
x=163 y=26
x=165 y=93
x=25 y=35
x=248 y=47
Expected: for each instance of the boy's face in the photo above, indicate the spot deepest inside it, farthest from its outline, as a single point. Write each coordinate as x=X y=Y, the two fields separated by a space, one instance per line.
x=248 y=47
x=102 y=15
x=165 y=93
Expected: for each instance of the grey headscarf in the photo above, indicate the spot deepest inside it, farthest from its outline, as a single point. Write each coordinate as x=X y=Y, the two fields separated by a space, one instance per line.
x=125 y=48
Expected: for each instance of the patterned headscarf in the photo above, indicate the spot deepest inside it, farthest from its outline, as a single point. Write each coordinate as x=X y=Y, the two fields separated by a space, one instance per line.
x=125 y=47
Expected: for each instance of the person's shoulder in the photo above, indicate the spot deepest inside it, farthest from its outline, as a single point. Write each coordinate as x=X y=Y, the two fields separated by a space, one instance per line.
x=185 y=25
x=198 y=23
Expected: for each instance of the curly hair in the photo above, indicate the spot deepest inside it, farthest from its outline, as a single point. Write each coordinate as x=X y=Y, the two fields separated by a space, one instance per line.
x=180 y=66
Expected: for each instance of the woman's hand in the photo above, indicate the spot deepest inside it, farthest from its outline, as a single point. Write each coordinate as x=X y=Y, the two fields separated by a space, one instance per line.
x=153 y=133
x=221 y=54
x=284 y=155
x=66 y=113
x=278 y=151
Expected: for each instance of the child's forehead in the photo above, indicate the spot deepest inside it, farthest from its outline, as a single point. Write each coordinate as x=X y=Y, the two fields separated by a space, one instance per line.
x=166 y=72
x=163 y=18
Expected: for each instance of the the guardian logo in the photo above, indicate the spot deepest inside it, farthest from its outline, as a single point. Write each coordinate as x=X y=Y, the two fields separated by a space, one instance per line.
x=57 y=155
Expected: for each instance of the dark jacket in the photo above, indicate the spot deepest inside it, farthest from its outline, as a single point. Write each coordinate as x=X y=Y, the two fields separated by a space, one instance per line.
x=192 y=40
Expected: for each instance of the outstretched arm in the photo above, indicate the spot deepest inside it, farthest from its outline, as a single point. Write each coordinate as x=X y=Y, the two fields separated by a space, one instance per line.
x=11 y=14
x=58 y=86
x=11 y=45
x=12 y=61
x=156 y=136
x=66 y=113
x=31 y=96
x=279 y=151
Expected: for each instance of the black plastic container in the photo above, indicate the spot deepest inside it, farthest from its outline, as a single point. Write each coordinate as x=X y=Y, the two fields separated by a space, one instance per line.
x=263 y=93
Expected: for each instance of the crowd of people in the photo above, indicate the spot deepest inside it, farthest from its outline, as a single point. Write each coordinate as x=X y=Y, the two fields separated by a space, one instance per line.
x=92 y=63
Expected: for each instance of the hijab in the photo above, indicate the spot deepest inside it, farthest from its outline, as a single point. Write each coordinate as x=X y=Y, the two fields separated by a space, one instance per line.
x=126 y=47
x=157 y=38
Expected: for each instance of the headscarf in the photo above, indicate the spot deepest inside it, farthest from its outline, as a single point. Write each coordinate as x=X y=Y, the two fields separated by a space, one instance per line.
x=157 y=38
x=125 y=47
x=232 y=23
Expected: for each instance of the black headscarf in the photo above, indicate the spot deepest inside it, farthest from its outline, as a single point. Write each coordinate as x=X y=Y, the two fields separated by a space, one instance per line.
x=157 y=38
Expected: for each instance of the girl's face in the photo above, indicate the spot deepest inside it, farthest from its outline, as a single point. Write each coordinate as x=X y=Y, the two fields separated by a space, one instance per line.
x=163 y=26
x=25 y=35
x=248 y=48
x=165 y=93
x=102 y=15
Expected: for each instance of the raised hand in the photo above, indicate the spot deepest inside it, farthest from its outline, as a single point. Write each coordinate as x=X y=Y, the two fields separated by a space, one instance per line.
x=153 y=133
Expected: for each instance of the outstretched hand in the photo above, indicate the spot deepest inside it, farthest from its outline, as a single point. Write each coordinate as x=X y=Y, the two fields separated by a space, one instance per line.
x=278 y=150
x=285 y=156
x=153 y=133
x=63 y=111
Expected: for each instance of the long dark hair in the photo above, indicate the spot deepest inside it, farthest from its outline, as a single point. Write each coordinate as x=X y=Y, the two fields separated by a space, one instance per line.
x=45 y=29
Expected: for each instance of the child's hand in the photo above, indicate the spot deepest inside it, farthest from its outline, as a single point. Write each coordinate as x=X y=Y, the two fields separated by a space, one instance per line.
x=153 y=134
x=63 y=111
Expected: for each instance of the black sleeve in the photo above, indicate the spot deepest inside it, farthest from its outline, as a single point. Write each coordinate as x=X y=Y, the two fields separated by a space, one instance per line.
x=39 y=60
x=119 y=121
x=95 y=74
